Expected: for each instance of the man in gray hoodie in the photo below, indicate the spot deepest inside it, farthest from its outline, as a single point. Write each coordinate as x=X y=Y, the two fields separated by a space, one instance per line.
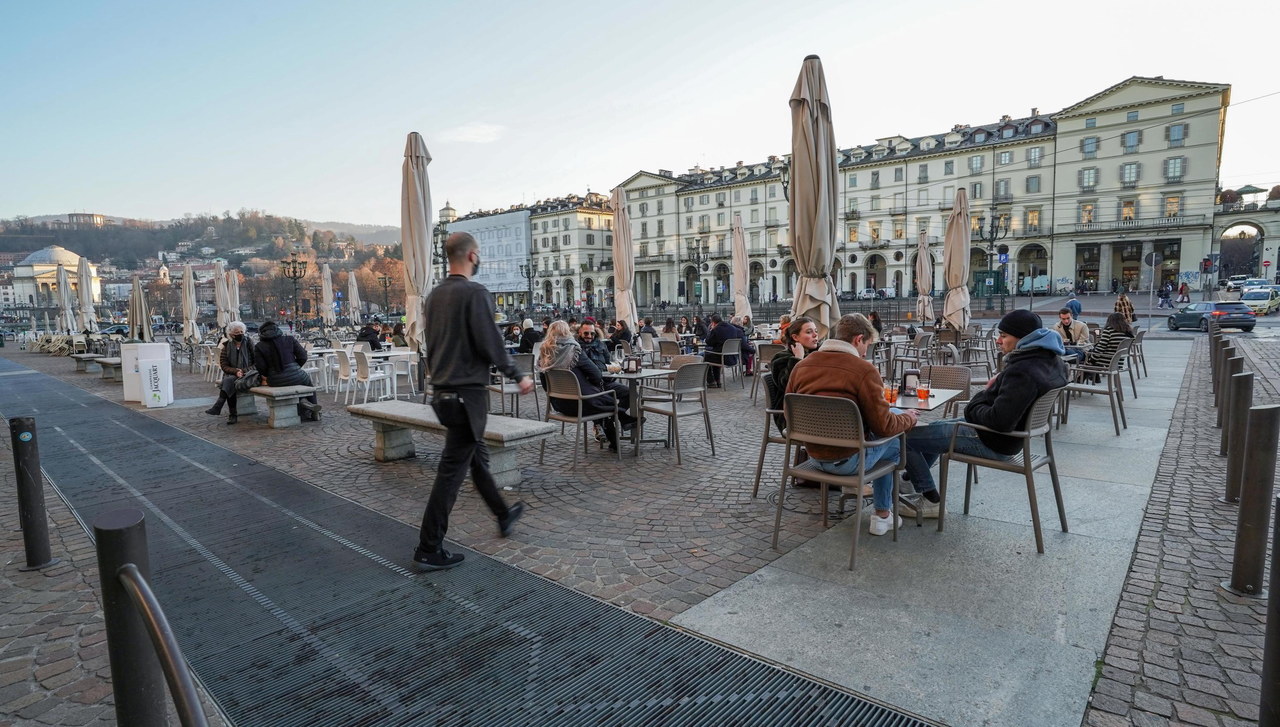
x=1032 y=367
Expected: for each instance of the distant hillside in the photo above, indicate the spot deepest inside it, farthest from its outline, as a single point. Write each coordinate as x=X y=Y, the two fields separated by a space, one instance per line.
x=365 y=234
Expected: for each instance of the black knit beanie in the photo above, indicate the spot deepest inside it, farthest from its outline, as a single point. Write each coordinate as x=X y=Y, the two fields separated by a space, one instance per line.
x=1020 y=323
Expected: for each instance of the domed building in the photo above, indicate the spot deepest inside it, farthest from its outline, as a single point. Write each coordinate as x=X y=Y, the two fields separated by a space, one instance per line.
x=35 y=279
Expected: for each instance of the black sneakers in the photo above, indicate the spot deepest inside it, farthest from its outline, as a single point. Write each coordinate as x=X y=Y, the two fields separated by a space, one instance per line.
x=505 y=527
x=436 y=561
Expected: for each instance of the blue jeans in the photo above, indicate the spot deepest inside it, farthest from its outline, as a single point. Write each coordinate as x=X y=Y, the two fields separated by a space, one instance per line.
x=882 y=487
x=927 y=442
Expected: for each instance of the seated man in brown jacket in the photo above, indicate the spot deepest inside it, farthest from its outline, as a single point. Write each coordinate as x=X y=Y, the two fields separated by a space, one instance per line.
x=839 y=368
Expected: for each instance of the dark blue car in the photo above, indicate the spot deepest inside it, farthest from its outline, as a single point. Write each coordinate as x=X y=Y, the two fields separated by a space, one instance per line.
x=1228 y=314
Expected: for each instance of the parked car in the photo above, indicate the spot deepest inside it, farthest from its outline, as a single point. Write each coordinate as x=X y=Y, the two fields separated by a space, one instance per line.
x=1234 y=282
x=847 y=295
x=1253 y=283
x=1229 y=314
x=1263 y=300
x=868 y=294
x=121 y=329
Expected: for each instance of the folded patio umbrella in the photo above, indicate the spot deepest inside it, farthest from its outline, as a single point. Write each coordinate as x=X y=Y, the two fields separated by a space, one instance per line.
x=955 y=263
x=415 y=236
x=84 y=285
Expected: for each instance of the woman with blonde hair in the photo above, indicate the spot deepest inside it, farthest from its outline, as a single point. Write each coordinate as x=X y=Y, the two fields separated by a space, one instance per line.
x=560 y=350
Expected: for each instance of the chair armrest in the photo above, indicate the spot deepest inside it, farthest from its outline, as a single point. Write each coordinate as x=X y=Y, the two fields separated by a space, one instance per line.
x=883 y=440
x=607 y=392
x=659 y=393
x=979 y=427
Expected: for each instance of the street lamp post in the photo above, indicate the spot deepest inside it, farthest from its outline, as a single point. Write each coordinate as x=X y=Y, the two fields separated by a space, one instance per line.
x=385 y=282
x=998 y=230
x=438 y=236
x=529 y=270
x=698 y=253
x=315 y=301
x=295 y=269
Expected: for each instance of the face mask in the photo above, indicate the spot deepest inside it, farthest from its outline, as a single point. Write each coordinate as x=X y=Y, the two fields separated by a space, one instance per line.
x=475 y=269
x=238 y=337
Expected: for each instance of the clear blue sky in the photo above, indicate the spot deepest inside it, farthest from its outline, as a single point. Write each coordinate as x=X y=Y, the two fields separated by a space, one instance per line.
x=155 y=109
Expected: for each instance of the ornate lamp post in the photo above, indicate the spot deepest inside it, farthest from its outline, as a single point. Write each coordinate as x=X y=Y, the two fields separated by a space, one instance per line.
x=385 y=282
x=697 y=253
x=998 y=230
x=315 y=289
x=529 y=270
x=438 y=235
x=295 y=269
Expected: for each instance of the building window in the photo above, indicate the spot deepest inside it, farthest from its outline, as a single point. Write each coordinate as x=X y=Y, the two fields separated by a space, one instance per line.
x=1130 y=140
x=1002 y=189
x=899 y=230
x=897 y=174
x=1175 y=168
x=1177 y=109
x=1128 y=210
x=644 y=208
x=975 y=223
x=922 y=175
x=688 y=222
x=688 y=203
x=1037 y=127
x=1130 y=173
x=704 y=199
x=565 y=241
x=1089 y=147
x=719 y=197
x=1034 y=155
x=1090 y=123
x=853 y=233
x=875 y=180
x=755 y=216
x=1173 y=205
x=980 y=137
x=874 y=229
x=773 y=191
x=1006 y=133
x=591 y=238
x=661 y=232
x=720 y=219
x=922 y=197
x=1033 y=221
x=975 y=164
x=975 y=190
x=1006 y=157
x=948 y=167
x=875 y=202
x=1033 y=184
x=1176 y=134
x=1131 y=116
x=853 y=204
x=1088 y=178
x=737 y=196
x=644 y=229
x=1088 y=212
x=853 y=180
x=659 y=212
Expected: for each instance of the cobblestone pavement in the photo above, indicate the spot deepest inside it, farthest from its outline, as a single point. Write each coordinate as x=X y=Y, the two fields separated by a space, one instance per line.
x=1182 y=651
x=655 y=538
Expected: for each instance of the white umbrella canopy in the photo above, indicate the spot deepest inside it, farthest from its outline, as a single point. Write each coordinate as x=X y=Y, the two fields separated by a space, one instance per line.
x=624 y=265
x=139 y=314
x=924 y=282
x=221 y=301
x=353 y=298
x=190 y=333
x=327 y=315
x=84 y=281
x=47 y=327
x=955 y=264
x=67 y=301
x=233 y=294
x=813 y=197
x=741 y=283
x=415 y=236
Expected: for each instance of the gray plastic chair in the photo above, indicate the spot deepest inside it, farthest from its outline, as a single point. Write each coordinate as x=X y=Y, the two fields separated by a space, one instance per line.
x=687 y=397
x=563 y=384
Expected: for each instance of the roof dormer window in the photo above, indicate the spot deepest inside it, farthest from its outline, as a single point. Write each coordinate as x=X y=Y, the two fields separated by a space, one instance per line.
x=979 y=137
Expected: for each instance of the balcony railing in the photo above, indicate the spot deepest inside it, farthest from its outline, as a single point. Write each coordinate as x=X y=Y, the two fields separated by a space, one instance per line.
x=1030 y=231
x=1005 y=198
x=1141 y=223
x=853 y=215
x=772 y=223
x=944 y=206
x=704 y=228
x=897 y=210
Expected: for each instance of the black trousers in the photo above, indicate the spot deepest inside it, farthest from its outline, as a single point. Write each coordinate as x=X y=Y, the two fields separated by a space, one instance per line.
x=464 y=413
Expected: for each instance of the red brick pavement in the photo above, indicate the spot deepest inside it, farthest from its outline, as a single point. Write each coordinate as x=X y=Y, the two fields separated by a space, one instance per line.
x=1181 y=650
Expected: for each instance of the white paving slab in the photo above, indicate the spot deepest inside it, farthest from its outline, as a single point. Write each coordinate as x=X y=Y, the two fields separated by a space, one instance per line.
x=971 y=626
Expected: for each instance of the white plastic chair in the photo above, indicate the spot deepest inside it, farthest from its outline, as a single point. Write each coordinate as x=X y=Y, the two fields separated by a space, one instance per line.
x=367 y=375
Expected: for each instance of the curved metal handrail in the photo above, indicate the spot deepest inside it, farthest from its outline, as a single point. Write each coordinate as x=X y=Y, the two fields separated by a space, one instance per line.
x=181 y=685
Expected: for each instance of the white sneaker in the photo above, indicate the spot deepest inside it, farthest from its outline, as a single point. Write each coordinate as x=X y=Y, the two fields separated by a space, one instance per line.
x=882 y=525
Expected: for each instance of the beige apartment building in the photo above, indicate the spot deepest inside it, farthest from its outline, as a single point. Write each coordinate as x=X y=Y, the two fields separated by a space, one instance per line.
x=1080 y=197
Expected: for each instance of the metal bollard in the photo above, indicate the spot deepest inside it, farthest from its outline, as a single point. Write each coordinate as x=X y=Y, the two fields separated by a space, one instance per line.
x=1269 y=708
x=1235 y=366
x=1225 y=352
x=1230 y=367
x=31 y=513
x=1215 y=345
x=1248 y=566
x=136 y=676
x=1235 y=432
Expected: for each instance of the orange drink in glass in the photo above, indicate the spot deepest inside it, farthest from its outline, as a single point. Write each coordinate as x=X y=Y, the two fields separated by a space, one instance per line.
x=922 y=390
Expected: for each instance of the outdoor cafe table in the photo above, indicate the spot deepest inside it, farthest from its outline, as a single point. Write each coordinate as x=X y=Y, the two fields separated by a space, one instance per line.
x=633 y=387
x=937 y=398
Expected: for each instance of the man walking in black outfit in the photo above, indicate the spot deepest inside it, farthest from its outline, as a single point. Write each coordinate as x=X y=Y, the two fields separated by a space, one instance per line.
x=461 y=344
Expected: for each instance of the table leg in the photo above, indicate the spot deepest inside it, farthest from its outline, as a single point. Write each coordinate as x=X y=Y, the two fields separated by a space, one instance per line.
x=633 y=387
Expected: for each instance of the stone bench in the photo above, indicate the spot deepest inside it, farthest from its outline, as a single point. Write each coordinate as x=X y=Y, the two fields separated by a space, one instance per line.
x=282 y=403
x=110 y=368
x=393 y=422
x=84 y=359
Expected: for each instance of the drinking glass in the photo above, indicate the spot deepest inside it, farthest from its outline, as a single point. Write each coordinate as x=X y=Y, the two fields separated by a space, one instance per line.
x=891 y=393
x=922 y=390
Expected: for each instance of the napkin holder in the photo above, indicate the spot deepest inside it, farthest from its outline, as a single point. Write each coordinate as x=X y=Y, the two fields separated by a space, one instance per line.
x=910 y=380
x=631 y=365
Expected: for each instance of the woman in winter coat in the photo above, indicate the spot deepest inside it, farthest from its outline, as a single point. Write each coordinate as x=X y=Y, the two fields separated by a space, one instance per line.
x=236 y=359
x=561 y=351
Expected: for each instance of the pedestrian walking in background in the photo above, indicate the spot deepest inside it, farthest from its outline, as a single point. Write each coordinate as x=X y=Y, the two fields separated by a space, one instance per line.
x=1184 y=293
x=462 y=343
x=1073 y=305
x=1124 y=306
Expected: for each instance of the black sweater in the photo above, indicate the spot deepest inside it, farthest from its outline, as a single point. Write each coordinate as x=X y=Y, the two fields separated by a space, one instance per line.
x=1003 y=406
x=461 y=340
